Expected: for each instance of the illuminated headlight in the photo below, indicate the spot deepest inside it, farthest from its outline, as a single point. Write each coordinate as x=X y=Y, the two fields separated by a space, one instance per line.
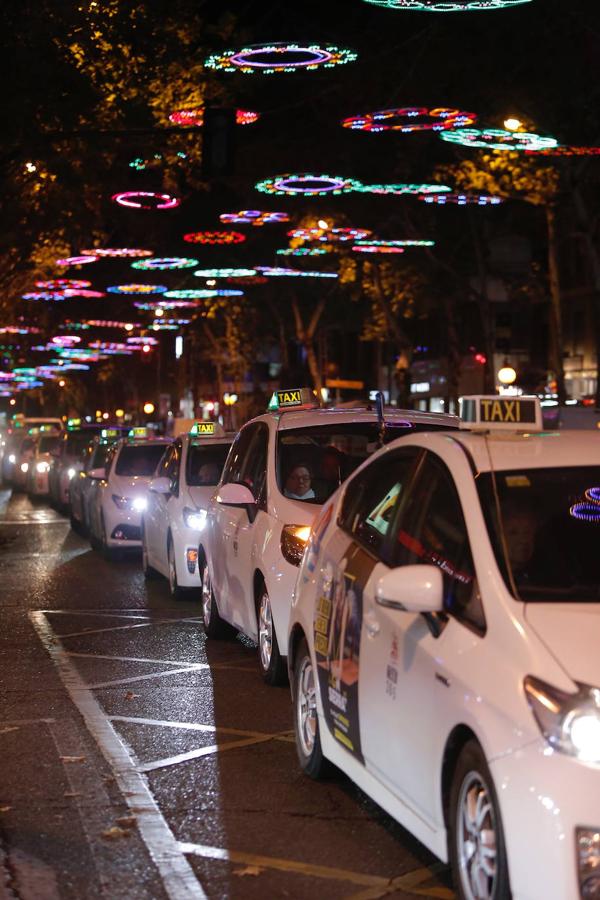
x=71 y=473
x=588 y=862
x=569 y=722
x=42 y=466
x=121 y=502
x=194 y=518
x=24 y=467
x=12 y=458
x=293 y=541
x=139 y=504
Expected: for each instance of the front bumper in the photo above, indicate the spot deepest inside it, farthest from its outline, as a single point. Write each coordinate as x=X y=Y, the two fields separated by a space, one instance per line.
x=123 y=527
x=544 y=797
x=185 y=544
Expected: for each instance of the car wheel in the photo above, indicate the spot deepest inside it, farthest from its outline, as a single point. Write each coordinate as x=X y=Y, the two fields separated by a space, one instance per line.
x=149 y=573
x=177 y=592
x=306 y=721
x=271 y=663
x=214 y=625
x=477 y=850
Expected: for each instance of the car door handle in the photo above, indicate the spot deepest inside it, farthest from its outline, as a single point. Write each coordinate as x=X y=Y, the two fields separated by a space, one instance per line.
x=372 y=625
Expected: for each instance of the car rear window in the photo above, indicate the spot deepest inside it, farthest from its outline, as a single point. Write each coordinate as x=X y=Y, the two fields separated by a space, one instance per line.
x=139 y=459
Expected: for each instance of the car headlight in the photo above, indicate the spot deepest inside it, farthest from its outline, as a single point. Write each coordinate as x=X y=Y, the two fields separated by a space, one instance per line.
x=194 y=518
x=569 y=722
x=121 y=502
x=71 y=473
x=12 y=458
x=42 y=466
x=139 y=504
x=24 y=467
x=293 y=541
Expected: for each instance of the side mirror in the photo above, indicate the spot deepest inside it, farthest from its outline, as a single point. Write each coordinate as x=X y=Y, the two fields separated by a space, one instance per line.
x=160 y=485
x=235 y=495
x=96 y=474
x=417 y=589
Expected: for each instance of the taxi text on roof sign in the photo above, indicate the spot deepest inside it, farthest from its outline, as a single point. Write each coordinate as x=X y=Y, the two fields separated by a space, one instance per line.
x=109 y=433
x=138 y=432
x=497 y=413
x=293 y=398
x=203 y=428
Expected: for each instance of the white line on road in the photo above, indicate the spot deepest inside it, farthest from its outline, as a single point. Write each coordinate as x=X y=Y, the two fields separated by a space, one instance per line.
x=177 y=875
x=140 y=659
x=132 y=678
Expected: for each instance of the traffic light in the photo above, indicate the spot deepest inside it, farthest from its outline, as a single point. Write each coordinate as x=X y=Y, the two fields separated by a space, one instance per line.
x=218 y=141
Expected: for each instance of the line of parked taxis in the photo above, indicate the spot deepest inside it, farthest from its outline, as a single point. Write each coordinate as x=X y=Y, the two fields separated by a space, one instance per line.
x=431 y=587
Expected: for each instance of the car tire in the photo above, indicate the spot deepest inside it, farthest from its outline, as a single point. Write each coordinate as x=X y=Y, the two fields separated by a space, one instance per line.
x=149 y=573
x=306 y=720
x=271 y=663
x=214 y=626
x=177 y=592
x=76 y=525
x=477 y=849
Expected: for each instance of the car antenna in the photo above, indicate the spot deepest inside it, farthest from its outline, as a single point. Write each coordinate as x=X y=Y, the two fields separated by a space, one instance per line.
x=379 y=405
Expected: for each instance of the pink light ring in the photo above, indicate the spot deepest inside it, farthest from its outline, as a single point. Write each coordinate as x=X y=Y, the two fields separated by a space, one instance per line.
x=58 y=284
x=444 y=119
x=66 y=340
x=253 y=217
x=152 y=342
x=126 y=198
x=319 y=56
x=373 y=248
x=83 y=292
x=117 y=252
x=76 y=260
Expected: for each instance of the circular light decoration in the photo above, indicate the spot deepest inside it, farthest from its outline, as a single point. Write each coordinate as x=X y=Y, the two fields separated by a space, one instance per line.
x=142 y=340
x=302 y=251
x=254 y=217
x=74 y=367
x=126 y=252
x=593 y=494
x=372 y=248
x=20 y=329
x=108 y=323
x=66 y=340
x=447 y=5
x=498 y=139
x=214 y=237
x=225 y=273
x=166 y=304
x=565 y=151
x=308 y=185
x=45 y=295
x=406 y=243
x=329 y=235
x=411 y=118
x=278 y=272
x=137 y=289
x=166 y=262
x=141 y=200
x=248 y=280
x=586 y=512
x=404 y=189
x=76 y=260
x=163 y=326
x=279 y=57
x=462 y=199
x=195 y=117
x=201 y=294
x=83 y=292
x=59 y=284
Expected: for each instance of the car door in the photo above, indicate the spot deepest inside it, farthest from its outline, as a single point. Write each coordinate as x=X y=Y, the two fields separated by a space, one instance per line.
x=403 y=654
x=156 y=517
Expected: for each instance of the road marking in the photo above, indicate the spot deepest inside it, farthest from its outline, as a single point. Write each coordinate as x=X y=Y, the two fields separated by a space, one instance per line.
x=408 y=883
x=141 y=659
x=132 y=678
x=200 y=752
x=177 y=875
x=123 y=627
x=192 y=726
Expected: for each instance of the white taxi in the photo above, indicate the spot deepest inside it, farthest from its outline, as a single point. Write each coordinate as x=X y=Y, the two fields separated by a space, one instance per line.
x=118 y=497
x=82 y=485
x=178 y=498
x=443 y=648
x=40 y=462
x=281 y=468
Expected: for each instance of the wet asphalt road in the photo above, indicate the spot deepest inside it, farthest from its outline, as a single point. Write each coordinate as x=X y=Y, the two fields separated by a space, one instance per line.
x=139 y=761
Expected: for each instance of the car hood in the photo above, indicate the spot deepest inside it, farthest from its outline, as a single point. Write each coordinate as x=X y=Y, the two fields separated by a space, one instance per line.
x=200 y=496
x=571 y=631
x=128 y=485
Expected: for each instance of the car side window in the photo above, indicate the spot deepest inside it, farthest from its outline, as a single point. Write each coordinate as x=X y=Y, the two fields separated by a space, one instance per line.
x=373 y=497
x=232 y=472
x=432 y=530
x=169 y=468
x=174 y=468
x=254 y=466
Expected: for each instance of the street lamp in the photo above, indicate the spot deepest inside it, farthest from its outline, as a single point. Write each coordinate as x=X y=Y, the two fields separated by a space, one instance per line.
x=148 y=408
x=513 y=124
x=507 y=375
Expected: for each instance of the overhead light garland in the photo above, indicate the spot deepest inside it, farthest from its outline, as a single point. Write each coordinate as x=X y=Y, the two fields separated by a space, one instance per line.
x=214 y=237
x=152 y=342
x=397 y=243
x=308 y=185
x=117 y=252
x=412 y=118
x=462 y=199
x=20 y=329
x=247 y=279
x=140 y=164
x=166 y=262
x=77 y=260
x=329 y=235
x=254 y=217
x=224 y=273
x=59 y=284
x=109 y=323
x=192 y=294
x=399 y=189
x=303 y=251
x=141 y=200
x=278 y=271
x=195 y=117
x=269 y=59
x=498 y=139
x=371 y=248
x=447 y=5
x=137 y=288
x=166 y=304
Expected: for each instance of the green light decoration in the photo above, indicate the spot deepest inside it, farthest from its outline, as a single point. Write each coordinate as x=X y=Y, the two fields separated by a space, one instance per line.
x=453 y=6
x=398 y=243
x=308 y=185
x=416 y=189
x=302 y=251
x=498 y=139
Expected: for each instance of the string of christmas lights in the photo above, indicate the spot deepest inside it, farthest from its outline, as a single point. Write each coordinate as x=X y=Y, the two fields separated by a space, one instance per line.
x=117 y=252
x=192 y=294
x=225 y=273
x=412 y=118
x=404 y=189
x=279 y=57
x=447 y=5
x=76 y=260
x=329 y=235
x=59 y=284
x=303 y=251
x=396 y=243
x=278 y=271
x=462 y=199
x=565 y=151
x=371 y=248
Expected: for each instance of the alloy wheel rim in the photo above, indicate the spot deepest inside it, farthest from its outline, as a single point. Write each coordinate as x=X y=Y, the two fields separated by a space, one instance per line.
x=265 y=631
x=476 y=831
x=206 y=596
x=306 y=707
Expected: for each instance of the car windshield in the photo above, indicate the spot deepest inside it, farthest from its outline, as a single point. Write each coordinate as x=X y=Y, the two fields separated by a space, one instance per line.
x=139 y=459
x=76 y=442
x=48 y=444
x=205 y=464
x=550 y=530
x=313 y=461
x=99 y=456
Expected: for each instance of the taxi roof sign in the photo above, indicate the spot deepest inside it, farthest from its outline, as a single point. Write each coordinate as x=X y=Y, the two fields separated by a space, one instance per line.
x=501 y=413
x=108 y=433
x=139 y=431
x=203 y=428
x=293 y=398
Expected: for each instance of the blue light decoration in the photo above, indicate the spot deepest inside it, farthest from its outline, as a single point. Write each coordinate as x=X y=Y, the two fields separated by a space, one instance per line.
x=165 y=262
x=45 y=295
x=329 y=235
x=308 y=185
x=166 y=304
x=398 y=243
x=254 y=217
x=447 y=5
x=498 y=139
x=192 y=294
x=278 y=272
x=137 y=289
x=404 y=189
x=586 y=512
x=408 y=119
x=302 y=251
x=462 y=199
x=224 y=273
x=269 y=59
x=593 y=494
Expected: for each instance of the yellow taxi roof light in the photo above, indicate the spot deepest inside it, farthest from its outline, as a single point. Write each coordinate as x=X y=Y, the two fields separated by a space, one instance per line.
x=501 y=413
x=138 y=432
x=202 y=428
x=293 y=398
